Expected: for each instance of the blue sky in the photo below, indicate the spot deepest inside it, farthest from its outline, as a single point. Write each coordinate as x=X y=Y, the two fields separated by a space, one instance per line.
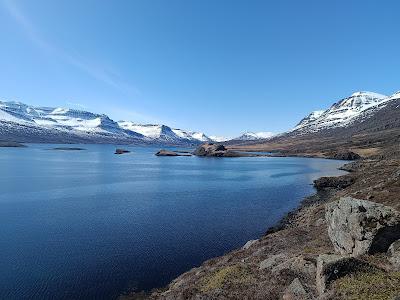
x=221 y=67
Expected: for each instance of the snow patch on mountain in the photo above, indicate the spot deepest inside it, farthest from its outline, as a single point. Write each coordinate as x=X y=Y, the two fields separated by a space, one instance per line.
x=192 y=135
x=358 y=106
x=219 y=139
x=310 y=118
x=250 y=136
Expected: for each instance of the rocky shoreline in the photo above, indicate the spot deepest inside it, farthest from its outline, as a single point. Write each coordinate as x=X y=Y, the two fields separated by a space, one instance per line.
x=284 y=263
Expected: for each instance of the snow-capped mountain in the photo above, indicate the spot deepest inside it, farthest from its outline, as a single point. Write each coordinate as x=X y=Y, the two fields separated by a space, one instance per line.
x=26 y=123
x=358 y=106
x=163 y=133
x=219 y=139
x=252 y=136
x=191 y=135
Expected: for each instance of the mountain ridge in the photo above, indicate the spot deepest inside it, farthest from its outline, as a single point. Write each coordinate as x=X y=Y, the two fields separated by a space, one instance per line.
x=26 y=123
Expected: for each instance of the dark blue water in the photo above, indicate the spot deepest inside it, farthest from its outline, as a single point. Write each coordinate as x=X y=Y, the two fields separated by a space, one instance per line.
x=92 y=225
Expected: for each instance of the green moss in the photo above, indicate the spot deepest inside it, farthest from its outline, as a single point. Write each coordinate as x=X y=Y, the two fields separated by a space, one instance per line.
x=309 y=250
x=235 y=274
x=376 y=285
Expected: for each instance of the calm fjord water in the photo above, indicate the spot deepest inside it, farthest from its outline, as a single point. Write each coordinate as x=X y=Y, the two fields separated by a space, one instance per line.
x=91 y=225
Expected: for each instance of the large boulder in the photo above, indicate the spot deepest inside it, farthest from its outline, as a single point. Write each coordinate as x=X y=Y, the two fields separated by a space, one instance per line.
x=331 y=267
x=357 y=227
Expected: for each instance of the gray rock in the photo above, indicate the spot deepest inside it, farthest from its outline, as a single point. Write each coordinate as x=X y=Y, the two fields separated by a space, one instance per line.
x=271 y=261
x=298 y=264
x=332 y=266
x=357 y=227
x=394 y=254
x=295 y=291
x=249 y=244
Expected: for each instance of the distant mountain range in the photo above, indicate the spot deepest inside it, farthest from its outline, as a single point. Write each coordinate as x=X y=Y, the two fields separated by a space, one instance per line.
x=24 y=123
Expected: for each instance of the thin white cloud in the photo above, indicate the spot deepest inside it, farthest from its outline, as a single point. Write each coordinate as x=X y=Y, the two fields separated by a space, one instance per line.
x=94 y=70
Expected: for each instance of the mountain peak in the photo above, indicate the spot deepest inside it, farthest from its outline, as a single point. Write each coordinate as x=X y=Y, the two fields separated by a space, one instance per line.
x=344 y=112
x=368 y=94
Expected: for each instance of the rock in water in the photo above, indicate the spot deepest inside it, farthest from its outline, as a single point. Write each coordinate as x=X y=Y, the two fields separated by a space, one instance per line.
x=217 y=150
x=11 y=144
x=209 y=149
x=163 y=152
x=121 y=151
x=357 y=227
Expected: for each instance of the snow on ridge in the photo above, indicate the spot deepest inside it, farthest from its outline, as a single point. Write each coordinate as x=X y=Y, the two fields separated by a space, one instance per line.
x=149 y=130
x=344 y=112
x=250 y=136
x=219 y=139
x=369 y=94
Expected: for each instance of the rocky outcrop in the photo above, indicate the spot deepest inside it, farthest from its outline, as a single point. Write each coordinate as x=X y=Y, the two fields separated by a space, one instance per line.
x=217 y=150
x=357 y=227
x=351 y=167
x=121 y=151
x=163 y=152
x=333 y=182
x=345 y=155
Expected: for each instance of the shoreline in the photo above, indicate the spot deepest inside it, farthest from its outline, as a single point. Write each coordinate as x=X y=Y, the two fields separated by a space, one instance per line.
x=318 y=196
x=288 y=252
